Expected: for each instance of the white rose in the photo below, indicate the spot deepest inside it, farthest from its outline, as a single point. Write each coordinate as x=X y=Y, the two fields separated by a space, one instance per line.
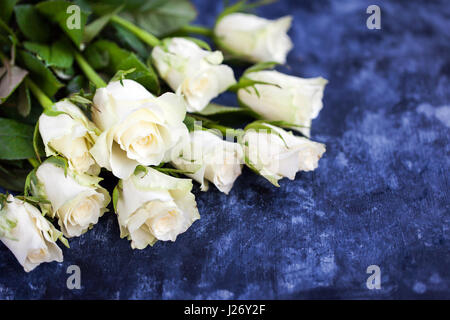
x=76 y=199
x=253 y=38
x=276 y=153
x=70 y=133
x=293 y=99
x=196 y=73
x=211 y=159
x=31 y=237
x=153 y=206
x=138 y=128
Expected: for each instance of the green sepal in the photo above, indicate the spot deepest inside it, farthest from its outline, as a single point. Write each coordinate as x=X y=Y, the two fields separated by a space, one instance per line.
x=121 y=75
x=172 y=171
x=115 y=195
x=30 y=184
x=34 y=199
x=217 y=109
x=6 y=224
x=37 y=143
x=252 y=167
x=202 y=44
x=59 y=161
x=242 y=6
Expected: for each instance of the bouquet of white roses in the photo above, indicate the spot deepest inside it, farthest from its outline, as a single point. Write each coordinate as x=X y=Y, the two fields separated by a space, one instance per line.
x=113 y=92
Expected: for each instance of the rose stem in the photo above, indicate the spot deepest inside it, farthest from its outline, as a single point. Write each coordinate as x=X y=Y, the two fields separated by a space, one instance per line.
x=89 y=71
x=197 y=30
x=45 y=101
x=212 y=125
x=148 y=38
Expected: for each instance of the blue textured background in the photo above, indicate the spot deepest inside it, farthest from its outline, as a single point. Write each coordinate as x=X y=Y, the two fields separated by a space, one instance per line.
x=380 y=195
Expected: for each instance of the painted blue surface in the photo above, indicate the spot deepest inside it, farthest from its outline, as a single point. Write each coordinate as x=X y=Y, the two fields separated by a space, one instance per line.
x=380 y=195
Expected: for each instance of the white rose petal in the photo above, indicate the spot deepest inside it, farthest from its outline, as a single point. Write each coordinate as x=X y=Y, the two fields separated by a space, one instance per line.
x=32 y=239
x=195 y=73
x=76 y=200
x=253 y=38
x=277 y=154
x=70 y=134
x=211 y=159
x=153 y=206
x=138 y=128
x=293 y=99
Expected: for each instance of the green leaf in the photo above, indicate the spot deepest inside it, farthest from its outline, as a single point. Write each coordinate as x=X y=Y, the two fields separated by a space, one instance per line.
x=40 y=74
x=34 y=26
x=9 y=38
x=13 y=178
x=76 y=84
x=95 y=27
x=6 y=9
x=11 y=77
x=97 y=58
x=162 y=17
x=61 y=55
x=24 y=101
x=42 y=50
x=132 y=41
x=72 y=22
x=16 y=140
x=120 y=59
x=58 y=54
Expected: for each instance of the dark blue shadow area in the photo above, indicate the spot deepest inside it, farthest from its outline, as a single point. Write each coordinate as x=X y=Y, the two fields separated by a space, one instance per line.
x=380 y=195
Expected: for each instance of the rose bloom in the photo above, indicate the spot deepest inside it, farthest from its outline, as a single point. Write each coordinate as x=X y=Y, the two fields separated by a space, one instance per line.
x=210 y=158
x=192 y=71
x=137 y=127
x=70 y=133
x=277 y=153
x=30 y=237
x=153 y=206
x=254 y=38
x=76 y=199
x=288 y=98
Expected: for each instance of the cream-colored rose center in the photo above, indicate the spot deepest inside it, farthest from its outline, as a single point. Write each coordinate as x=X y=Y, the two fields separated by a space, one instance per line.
x=37 y=255
x=164 y=223
x=75 y=150
x=200 y=84
x=141 y=140
x=82 y=214
x=145 y=141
